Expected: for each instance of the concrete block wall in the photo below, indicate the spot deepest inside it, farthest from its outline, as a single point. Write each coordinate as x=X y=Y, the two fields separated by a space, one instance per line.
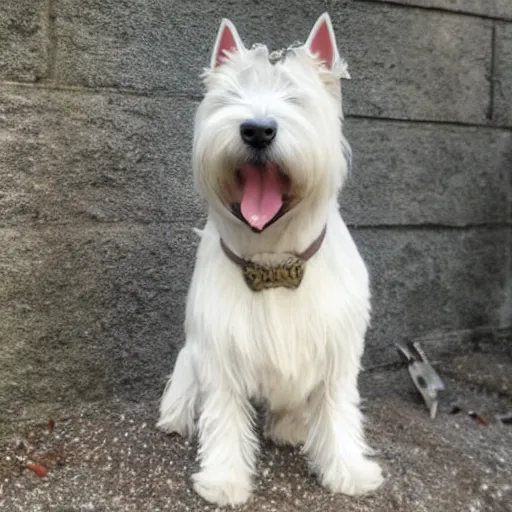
x=97 y=203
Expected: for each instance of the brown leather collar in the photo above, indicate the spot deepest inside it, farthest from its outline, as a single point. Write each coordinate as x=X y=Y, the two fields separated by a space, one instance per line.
x=288 y=274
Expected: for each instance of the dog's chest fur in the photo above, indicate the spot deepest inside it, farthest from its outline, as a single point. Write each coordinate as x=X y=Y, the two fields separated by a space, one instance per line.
x=281 y=343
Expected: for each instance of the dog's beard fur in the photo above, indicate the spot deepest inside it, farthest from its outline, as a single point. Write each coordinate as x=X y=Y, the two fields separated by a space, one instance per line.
x=297 y=352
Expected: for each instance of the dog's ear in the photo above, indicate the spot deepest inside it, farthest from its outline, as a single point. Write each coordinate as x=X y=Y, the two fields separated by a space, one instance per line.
x=322 y=43
x=227 y=40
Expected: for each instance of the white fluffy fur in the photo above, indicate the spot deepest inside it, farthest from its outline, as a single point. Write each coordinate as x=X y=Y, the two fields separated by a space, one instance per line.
x=297 y=351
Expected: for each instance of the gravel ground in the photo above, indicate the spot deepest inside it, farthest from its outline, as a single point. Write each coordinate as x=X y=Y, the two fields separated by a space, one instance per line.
x=109 y=456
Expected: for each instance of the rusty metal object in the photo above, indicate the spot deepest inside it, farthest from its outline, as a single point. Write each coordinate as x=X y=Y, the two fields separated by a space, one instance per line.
x=423 y=375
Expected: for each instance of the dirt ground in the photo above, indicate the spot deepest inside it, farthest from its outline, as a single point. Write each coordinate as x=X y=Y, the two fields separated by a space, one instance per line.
x=110 y=457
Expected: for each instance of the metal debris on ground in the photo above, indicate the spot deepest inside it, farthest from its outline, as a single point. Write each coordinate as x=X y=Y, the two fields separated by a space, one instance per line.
x=423 y=375
x=479 y=419
x=505 y=419
x=455 y=409
x=472 y=414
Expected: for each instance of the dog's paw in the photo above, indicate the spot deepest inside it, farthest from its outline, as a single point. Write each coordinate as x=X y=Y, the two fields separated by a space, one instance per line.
x=221 y=491
x=360 y=478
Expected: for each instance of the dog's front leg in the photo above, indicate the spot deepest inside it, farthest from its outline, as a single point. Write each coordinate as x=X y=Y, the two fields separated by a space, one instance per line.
x=335 y=443
x=227 y=447
x=178 y=404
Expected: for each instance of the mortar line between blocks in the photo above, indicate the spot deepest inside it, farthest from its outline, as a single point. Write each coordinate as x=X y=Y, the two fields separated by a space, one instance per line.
x=460 y=124
x=118 y=91
x=52 y=40
x=432 y=226
x=121 y=225
x=397 y=4
x=490 y=115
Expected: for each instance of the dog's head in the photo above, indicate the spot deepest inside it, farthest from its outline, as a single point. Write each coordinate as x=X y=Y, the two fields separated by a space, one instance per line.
x=268 y=139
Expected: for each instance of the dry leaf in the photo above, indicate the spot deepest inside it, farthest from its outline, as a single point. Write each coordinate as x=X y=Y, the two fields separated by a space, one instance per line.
x=38 y=469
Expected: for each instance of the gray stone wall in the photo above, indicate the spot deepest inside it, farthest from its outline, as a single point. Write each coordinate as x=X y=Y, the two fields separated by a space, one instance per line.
x=97 y=204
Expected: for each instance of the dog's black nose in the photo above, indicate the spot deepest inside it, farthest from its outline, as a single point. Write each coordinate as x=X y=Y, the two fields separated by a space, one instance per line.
x=258 y=133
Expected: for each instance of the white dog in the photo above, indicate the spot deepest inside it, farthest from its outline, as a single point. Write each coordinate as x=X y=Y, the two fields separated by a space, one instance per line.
x=279 y=301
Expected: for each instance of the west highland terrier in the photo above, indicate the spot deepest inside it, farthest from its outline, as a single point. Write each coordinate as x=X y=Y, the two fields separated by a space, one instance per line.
x=279 y=301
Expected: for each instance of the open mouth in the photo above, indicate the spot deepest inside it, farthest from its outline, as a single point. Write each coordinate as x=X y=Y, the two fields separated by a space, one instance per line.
x=264 y=192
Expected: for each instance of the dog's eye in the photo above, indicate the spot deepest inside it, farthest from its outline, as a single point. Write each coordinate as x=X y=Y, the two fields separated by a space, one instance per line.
x=295 y=100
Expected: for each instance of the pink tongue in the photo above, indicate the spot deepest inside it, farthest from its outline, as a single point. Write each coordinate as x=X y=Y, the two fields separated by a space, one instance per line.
x=261 y=195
